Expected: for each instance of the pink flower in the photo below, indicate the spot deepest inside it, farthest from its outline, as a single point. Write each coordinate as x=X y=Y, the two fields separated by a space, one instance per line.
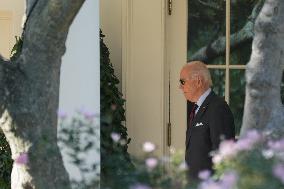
x=227 y=148
x=277 y=146
x=248 y=142
x=115 y=137
x=278 y=172
x=61 y=114
x=204 y=175
x=22 y=159
x=113 y=107
x=139 y=186
x=229 y=180
x=148 y=147
x=151 y=163
x=210 y=185
x=254 y=135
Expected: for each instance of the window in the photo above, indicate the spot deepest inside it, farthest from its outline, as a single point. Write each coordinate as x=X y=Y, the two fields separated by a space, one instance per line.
x=214 y=36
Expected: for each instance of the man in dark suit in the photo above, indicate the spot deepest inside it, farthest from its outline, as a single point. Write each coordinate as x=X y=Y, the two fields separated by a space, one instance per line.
x=210 y=119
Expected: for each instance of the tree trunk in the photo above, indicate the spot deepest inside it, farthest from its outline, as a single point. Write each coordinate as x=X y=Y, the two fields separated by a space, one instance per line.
x=263 y=106
x=29 y=96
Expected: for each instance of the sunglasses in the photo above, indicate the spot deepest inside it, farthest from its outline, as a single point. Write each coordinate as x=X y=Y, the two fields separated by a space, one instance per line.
x=182 y=81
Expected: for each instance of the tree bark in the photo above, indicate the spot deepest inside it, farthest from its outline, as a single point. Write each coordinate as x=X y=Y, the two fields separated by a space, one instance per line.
x=218 y=47
x=263 y=106
x=30 y=95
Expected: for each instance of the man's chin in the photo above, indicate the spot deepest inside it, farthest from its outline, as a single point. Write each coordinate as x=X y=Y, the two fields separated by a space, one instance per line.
x=187 y=97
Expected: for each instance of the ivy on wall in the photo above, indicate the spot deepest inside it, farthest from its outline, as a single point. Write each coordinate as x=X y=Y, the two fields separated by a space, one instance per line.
x=115 y=160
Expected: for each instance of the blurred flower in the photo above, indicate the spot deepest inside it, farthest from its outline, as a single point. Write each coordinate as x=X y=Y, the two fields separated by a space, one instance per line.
x=139 y=186
x=183 y=166
x=148 y=147
x=210 y=184
x=172 y=150
x=123 y=142
x=227 y=148
x=267 y=154
x=113 y=107
x=115 y=137
x=229 y=180
x=217 y=159
x=277 y=146
x=249 y=140
x=204 y=175
x=22 y=159
x=61 y=114
x=89 y=114
x=254 y=135
x=151 y=162
x=278 y=172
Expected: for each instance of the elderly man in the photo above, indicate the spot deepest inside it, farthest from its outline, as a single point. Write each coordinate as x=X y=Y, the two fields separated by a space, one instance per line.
x=209 y=120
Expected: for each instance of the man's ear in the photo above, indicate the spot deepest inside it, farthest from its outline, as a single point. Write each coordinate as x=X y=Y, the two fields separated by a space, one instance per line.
x=199 y=80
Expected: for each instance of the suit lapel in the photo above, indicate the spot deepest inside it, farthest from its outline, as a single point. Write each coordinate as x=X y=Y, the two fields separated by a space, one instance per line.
x=199 y=114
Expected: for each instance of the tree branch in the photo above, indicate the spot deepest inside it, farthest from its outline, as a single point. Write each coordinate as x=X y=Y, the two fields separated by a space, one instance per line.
x=211 y=5
x=45 y=33
x=218 y=47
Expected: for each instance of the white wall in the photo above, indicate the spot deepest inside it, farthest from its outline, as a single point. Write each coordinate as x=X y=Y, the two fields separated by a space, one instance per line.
x=80 y=80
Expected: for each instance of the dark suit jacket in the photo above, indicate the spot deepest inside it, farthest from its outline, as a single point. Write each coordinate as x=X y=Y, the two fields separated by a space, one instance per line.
x=216 y=121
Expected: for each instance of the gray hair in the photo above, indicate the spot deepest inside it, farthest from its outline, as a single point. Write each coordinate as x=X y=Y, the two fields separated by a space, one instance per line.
x=199 y=68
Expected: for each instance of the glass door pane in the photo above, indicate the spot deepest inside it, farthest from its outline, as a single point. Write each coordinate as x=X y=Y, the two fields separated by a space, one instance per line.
x=206 y=26
x=237 y=96
x=240 y=15
x=218 y=79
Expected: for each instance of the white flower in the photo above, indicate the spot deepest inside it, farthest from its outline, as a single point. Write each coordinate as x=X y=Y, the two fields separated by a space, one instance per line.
x=227 y=148
x=217 y=159
x=123 y=142
x=183 y=166
x=115 y=137
x=148 y=147
x=267 y=154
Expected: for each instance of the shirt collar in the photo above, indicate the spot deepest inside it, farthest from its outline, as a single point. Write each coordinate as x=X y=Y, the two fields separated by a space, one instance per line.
x=203 y=97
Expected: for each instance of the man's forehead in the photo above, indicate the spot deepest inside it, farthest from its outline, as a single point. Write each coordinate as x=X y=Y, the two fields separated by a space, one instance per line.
x=186 y=69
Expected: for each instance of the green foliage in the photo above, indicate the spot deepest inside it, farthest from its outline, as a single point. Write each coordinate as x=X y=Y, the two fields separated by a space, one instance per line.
x=115 y=160
x=17 y=48
x=6 y=163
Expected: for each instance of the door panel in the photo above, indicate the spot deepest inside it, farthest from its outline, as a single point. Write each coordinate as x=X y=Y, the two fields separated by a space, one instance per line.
x=5 y=33
x=176 y=28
